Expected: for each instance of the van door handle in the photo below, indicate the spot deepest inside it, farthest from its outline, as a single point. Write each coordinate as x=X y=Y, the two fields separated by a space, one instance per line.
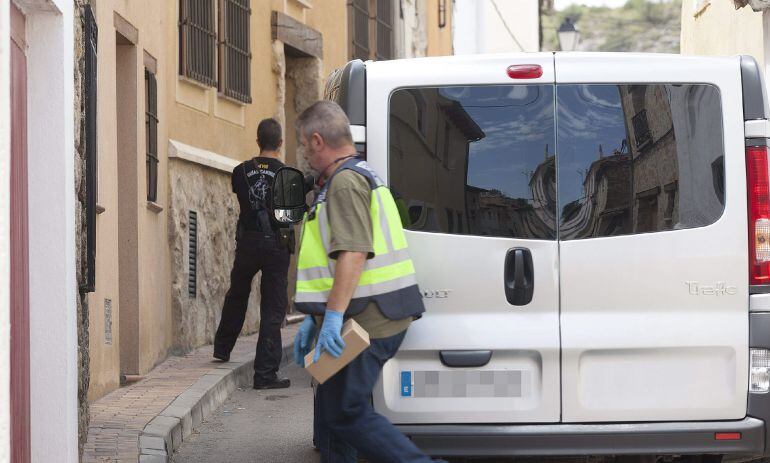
x=519 y=276
x=465 y=358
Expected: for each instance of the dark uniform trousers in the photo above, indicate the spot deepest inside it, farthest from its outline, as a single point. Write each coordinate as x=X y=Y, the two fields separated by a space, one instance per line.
x=256 y=252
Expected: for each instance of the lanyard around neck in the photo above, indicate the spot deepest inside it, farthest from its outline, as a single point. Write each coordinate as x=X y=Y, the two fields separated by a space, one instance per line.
x=321 y=180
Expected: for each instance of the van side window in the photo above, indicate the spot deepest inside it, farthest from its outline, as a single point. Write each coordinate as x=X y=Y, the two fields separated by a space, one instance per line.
x=638 y=158
x=475 y=160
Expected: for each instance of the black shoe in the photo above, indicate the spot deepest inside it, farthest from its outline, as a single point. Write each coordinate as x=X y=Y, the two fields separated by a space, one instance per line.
x=278 y=383
x=222 y=357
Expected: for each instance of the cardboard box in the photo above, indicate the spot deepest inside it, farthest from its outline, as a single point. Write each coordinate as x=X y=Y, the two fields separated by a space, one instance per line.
x=356 y=341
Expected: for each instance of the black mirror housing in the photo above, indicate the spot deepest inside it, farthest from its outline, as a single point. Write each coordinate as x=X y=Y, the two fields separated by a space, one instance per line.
x=288 y=200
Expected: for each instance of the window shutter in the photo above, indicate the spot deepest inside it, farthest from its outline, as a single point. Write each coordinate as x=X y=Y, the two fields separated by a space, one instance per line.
x=359 y=28
x=384 y=32
x=91 y=180
x=235 y=57
x=151 y=123
x=197 y=40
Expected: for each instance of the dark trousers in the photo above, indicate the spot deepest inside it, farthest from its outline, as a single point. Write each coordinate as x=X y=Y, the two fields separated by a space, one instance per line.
x=254 y=253
x=347 y=423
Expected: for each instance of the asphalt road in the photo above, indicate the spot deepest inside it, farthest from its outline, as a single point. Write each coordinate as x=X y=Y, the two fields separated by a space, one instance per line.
x=276 y=426
x=258 y=426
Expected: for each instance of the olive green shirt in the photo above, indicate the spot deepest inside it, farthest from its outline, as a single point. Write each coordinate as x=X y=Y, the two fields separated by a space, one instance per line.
x=350 y=229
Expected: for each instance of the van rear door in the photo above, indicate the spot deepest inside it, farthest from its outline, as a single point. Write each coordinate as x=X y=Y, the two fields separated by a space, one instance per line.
x=468 y=151
x=652 y=238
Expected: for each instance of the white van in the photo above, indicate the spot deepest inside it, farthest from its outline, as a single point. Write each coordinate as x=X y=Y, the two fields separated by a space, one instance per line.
x=591 y=234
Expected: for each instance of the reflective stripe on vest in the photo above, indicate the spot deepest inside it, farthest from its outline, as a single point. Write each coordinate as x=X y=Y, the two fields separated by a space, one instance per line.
x=391 y=269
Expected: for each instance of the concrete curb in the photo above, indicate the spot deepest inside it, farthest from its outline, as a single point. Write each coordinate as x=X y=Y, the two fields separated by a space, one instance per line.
x=163 y=435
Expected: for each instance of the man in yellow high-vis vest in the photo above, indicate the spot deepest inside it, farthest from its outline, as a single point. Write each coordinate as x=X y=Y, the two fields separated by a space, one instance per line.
x=353 y=262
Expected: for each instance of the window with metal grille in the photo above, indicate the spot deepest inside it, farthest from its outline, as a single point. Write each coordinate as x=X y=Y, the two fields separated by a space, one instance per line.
x=91 y=180
x=192 y=276
x=197 y=40
x=641 y=129
x=359 y=22
x=384 y=29
x=370 y=27
x=234 y=51
x=151 y=123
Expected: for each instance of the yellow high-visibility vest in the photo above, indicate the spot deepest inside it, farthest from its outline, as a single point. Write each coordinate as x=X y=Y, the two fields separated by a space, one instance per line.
x=388 y=278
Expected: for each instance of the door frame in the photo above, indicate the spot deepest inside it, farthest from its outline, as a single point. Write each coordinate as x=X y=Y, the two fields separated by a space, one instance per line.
x=20 y=361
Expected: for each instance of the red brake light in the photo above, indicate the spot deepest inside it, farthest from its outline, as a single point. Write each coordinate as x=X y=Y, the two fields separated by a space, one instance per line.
x=727 y=436
x=525 y=71
x=758 y=186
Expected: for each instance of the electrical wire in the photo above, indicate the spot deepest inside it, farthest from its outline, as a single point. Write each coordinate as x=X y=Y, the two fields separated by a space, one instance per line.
x=499 y=14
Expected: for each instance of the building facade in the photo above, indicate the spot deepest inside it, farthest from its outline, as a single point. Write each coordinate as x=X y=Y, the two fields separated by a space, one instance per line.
x=169 y=97
x=39 y=411
x=711 y=27
x=120 y=123
x=496 y=26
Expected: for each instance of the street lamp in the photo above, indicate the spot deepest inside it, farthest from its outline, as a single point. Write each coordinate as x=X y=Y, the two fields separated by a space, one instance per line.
x=568 y=35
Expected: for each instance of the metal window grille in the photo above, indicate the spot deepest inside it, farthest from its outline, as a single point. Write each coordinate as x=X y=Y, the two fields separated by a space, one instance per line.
x=384 y=30
x=359 y=17
x=192 y=278
x=91 y=180
x=234 y=54
x=197 y=41
x=641 y=129
x=151 y=123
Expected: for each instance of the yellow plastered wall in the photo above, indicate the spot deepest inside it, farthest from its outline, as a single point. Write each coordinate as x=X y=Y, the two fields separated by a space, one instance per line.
x=440 y=38
x=207 y=121
x=717 y=28
x=332 y=22
x=191 y=114
x=149 y=19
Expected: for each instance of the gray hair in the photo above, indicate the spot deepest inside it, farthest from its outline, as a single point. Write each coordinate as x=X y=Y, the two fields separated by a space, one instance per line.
x=327 y=119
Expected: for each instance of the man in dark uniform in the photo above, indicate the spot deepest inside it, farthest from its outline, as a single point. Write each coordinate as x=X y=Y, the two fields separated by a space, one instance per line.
x=257 y=249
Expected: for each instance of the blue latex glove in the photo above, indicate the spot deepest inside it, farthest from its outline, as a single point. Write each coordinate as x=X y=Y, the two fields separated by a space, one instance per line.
x=329 y=339
x=303 y=340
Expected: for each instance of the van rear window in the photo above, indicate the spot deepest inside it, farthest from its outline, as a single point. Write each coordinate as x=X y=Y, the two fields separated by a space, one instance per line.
x=475 y=160
x=638 y=158
x=483 y=160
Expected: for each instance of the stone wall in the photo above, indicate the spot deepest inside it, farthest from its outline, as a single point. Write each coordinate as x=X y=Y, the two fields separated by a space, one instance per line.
x=306 y=73
x=208 y=192
x=307 y=76
x=80 y=225
x=410 y=28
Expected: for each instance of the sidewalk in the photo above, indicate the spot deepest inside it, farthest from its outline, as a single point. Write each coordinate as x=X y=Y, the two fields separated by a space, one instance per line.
x=147 y=420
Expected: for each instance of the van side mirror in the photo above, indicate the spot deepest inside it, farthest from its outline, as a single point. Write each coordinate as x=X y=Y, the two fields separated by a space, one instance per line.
x=289 y=190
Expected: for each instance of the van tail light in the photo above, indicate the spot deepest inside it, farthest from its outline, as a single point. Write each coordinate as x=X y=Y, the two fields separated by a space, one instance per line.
x=525 y=71
x=759 y=370
x=759 y=214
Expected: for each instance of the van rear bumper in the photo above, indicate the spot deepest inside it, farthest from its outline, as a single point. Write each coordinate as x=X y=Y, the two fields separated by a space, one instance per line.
x=589 y=439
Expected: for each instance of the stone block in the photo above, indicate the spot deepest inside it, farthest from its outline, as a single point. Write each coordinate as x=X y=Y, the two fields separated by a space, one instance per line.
x=153 y=459
x=152 y=443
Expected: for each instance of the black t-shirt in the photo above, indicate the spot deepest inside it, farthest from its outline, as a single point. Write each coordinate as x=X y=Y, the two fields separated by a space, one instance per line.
x=252 y=180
